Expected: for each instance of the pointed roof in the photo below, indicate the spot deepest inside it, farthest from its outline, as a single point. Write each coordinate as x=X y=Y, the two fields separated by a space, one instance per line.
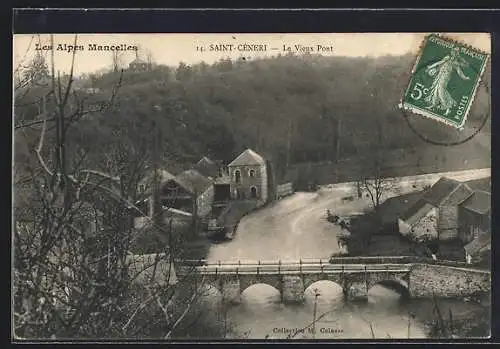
x=482 y=241
x=395 y=207
x=443 y=188
x=248 y=157
x=480 y=184
x=193 y=181
x=163 y=177
x=416 y=212
x=207 y=167
x=433 y=197
x=479 y=202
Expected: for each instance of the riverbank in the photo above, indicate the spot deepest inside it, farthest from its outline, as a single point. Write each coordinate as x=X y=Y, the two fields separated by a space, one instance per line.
x=450 y=321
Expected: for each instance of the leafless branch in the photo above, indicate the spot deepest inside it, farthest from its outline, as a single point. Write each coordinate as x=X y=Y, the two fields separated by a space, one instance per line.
x=39 y=149
x=184 y=313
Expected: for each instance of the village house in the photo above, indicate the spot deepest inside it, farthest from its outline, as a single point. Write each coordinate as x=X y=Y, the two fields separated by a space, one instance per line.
x=249 y=177
x=394 y=207
x=138 y=64
x=218 y=173
x=475 y=222
x=478 y=249
x=435 y=215
x=145 y=189
x=210 y=168
x=189 y=191
x=474 y=216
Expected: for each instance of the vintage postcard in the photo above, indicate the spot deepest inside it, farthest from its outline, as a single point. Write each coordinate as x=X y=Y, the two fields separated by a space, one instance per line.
x=251 y=186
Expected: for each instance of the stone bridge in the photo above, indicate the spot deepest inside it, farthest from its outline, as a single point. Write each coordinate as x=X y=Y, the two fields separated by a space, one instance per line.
x=292 y=278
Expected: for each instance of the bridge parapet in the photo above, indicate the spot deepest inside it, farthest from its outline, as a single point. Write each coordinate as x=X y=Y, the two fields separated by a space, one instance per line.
x=333 y=260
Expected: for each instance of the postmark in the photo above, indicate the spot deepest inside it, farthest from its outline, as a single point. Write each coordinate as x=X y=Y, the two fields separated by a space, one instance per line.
x=444 y=80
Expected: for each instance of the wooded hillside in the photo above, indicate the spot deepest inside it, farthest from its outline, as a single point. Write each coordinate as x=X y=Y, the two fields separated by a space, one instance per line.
x=293 y=109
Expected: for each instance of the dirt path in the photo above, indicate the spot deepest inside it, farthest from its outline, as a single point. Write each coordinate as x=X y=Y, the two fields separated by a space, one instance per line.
x=296 y=227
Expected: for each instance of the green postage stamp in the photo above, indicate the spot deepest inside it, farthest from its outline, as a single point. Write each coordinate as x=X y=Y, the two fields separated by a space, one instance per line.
x=444 y=80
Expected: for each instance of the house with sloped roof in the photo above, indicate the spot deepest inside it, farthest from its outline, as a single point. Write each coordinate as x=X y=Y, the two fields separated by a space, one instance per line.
x=210 y=168
x=249 y=180
x=147 y=182
x=216 y=171
x=392 y=208
x=189 y=191
x=478 y=247
x=483 y=184
x=138 y=64
x=435 y=215
x=474 y=216
x=145 y=189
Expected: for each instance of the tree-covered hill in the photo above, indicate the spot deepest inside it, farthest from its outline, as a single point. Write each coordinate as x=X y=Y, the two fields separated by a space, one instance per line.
x=293 y=109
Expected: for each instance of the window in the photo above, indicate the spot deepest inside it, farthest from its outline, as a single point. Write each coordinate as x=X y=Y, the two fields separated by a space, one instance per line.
x=171 y=191
x=142 y=187
x=475 y=232
x=251 y=173
x=237 y=176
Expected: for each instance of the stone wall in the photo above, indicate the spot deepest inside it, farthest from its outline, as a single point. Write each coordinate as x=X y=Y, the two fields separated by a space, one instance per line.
x=230 y=290
x=284 y=189
x=293 y=289
x=357 y=290
x=443 y=281
x=448 y=213
x=246 y=182
x=204 y=202
x=427 y=226
x=448 y=222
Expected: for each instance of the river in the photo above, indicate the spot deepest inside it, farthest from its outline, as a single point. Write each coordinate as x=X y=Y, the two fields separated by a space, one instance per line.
x=293 y=228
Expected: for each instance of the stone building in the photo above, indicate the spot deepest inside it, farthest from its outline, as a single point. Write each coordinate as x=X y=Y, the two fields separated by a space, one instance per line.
x=474 y=216
x=189 y=191
x=249 y=177
x=479 y=248
x=138 y=64
x=218 y=173
x=436 y=213
x=145 y=189
x=210 y=168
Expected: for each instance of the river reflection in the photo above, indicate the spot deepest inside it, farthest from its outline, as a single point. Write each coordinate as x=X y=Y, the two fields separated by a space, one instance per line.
x=262 y=315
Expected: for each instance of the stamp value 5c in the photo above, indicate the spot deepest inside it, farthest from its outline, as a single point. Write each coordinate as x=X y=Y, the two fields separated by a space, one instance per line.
x=444 y=80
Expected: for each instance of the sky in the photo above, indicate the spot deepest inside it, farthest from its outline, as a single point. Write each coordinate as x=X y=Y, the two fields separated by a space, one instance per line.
x=171 y=49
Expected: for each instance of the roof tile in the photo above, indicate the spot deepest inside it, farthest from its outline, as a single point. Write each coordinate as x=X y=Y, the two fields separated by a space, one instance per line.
x=248 y=157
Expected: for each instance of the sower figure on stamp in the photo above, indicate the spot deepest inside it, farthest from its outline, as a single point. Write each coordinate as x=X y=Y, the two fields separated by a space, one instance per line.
x=439 y=97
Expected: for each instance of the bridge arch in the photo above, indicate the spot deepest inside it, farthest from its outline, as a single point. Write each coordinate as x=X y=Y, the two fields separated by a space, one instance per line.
x=260 y=293
x=324 y=288
x=247 y=281
x=394 y=284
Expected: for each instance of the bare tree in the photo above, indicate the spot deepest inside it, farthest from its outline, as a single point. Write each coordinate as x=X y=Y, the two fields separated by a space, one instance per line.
x=117 y=61
x=150 y=58
x=73 y=274
x=374 y=181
